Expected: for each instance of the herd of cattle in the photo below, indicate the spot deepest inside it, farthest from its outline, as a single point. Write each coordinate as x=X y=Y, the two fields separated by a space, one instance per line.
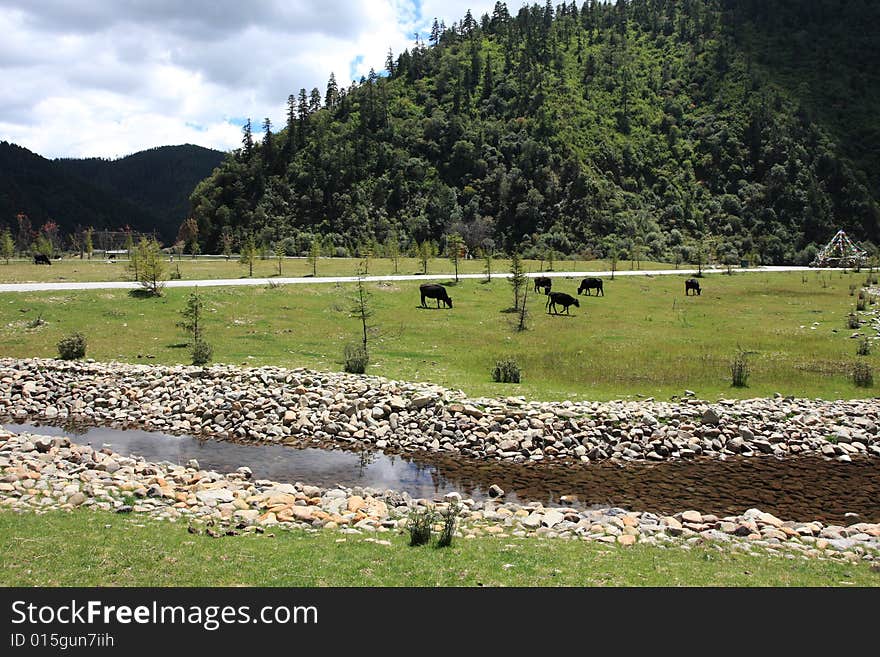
x=545 y=284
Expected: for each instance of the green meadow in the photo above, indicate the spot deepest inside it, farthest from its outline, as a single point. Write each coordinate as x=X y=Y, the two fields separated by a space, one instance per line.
x=191 y=269
x=88 y=548
x=644 y=338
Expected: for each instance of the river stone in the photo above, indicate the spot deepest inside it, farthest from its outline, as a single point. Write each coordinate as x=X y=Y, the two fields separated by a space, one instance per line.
x=710 y=417
x=532 y=521
x=552 y=518
x=496 y=491
x=214 y=497
x=76 y=499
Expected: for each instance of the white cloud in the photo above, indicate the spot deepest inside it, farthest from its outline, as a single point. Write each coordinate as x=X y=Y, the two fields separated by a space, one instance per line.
x=103 y=78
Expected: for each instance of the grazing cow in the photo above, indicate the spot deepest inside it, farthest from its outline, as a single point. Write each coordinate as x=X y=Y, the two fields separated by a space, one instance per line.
x=42 y=259
x=592 y=284
x=437 y=292
x=543 y=282
x=563 y=299
x=692 y=284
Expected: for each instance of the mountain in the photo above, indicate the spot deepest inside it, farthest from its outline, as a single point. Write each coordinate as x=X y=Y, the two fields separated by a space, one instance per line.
x=676 y=129
x=158 y=180
x=146 y=191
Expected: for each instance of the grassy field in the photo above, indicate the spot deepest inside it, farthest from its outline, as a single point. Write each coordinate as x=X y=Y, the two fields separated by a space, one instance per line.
x=101 y=549
x=74 y=269
x=645 y=337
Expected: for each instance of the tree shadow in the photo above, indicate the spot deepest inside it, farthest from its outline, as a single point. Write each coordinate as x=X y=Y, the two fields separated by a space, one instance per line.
x=141 y=294
x=179 y=345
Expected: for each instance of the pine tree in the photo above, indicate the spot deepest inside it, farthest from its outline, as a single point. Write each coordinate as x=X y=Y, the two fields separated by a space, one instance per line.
x=314 y=255
x=424 y=255
x=249 y=253
x=517 y=278
x=268 y=155
x=392 y=250
x=279 y=254
x=332 y=92
x=247 y=140
x=146 y=262
x=454 y=246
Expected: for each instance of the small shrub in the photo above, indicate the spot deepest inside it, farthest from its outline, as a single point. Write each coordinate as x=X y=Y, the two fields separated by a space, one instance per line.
x=852 y=321
x=450 y=519
x=174 y=276
x=355 y=359
x=861 y=302
x=201 y=352
x=739 y=370
x=506 y=371
x=864 y=348
x=852 y=289
x=862 y=375
x=37 y=322
x=72 y=347
x=419 y=526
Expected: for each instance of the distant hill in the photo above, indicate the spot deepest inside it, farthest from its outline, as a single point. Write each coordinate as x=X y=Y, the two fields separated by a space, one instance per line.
x=146 y=191
x=158 y=180
x=671 y=130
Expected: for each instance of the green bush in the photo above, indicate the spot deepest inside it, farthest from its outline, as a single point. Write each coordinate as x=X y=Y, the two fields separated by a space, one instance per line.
x=450 y=518
x=355 y=359
x=862 y=375
x=507 y=370
x=202 y=352
x=864 y=348
x=852 y=321
x=419 y=526
x=739 y=370
x=72 y=347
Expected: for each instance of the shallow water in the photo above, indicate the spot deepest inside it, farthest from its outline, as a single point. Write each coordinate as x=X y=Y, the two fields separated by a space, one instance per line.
x=803 y=488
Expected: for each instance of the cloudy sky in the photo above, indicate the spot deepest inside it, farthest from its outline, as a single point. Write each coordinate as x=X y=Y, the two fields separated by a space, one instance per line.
x=107 y=78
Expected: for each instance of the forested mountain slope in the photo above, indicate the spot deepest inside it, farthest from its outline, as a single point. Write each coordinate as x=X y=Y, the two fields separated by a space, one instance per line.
x=158 y=180
x=740 y=128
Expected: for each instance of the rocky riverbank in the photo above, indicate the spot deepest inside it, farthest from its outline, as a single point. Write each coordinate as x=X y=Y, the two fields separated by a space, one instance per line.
x=40 y=473
x=301 y=408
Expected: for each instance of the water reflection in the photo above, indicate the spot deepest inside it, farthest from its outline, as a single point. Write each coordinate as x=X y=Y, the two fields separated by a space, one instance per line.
x=806 y=488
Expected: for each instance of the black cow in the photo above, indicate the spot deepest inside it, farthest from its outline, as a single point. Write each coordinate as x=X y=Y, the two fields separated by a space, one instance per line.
x=543 y=282
x=430 y=291
x=563 y=299
x=42 y=259
x=692 y=284
x=592 y=284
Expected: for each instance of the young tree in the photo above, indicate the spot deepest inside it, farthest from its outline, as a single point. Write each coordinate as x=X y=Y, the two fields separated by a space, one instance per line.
x=392 y=250
x=517 y=278
x=249 y=253
x=88 y=245
x=523 y=313
x=192 y=313
x=279 y=254
x=129 y=246
x=454 y=249
x=314 y=254
x=613 y=256
x=362 y=308
x=424 y=255
x=150 y=267
x=193 y=324
x=487 y=259
x=7 y=245
x=42 y=245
